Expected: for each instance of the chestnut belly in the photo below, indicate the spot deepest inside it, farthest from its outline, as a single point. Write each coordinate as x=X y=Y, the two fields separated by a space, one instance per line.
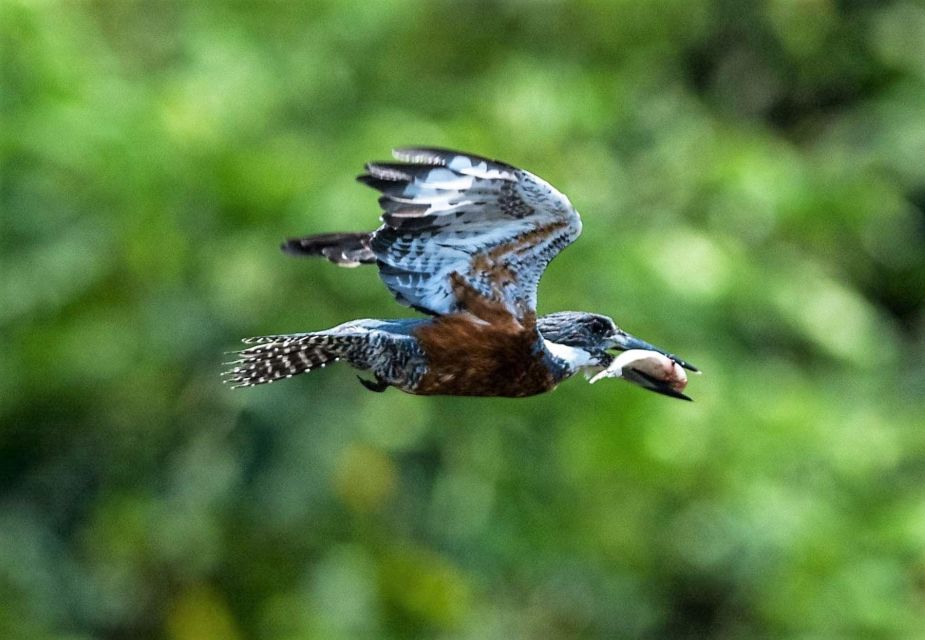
x=503 y=379
x=470 y=358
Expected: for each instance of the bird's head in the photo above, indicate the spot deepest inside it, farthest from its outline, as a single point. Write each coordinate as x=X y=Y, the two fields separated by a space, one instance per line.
x=591 y=340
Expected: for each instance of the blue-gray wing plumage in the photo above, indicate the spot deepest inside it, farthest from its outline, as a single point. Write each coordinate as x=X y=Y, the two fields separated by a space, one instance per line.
x=450 y=215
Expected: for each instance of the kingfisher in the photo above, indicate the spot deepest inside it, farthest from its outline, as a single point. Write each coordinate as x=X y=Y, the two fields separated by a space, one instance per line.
x=464 y=240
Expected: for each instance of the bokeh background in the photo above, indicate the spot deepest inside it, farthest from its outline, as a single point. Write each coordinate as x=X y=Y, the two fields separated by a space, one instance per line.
x=752 y=181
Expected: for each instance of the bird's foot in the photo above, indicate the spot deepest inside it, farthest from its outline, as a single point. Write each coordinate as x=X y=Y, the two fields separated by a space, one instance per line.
x=378 y=386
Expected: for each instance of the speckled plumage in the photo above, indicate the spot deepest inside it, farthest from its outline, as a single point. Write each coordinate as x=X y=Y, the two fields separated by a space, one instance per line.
x=465 y=240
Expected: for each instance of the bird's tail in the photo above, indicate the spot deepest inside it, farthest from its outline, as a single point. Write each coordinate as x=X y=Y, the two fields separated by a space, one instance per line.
x=273 y=358
x=344 y=249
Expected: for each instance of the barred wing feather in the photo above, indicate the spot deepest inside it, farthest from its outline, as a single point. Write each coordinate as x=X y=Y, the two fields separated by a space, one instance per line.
x=451 y=217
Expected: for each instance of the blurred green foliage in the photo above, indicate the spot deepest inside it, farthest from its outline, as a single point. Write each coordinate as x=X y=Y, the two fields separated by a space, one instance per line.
x=752 y=180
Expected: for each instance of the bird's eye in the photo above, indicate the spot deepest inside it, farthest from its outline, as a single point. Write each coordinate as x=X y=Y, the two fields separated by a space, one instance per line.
x=600 y=326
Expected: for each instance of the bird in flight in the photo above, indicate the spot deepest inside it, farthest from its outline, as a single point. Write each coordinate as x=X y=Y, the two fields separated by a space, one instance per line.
x=465 y=240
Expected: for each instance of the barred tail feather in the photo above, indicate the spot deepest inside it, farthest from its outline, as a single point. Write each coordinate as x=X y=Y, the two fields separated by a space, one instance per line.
x=276 y=357
x=386 y=348
x=344 y=249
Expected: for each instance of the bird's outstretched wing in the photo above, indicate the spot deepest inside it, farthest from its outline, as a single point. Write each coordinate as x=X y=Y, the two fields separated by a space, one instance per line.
x=456 y=224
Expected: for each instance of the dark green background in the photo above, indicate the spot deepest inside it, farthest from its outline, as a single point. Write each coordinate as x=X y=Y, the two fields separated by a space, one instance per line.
x=752 y=181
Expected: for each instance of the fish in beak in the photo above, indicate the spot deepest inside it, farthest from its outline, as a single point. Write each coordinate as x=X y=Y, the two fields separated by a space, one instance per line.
x=625 y=342
x=649 y=369
x=648 y=366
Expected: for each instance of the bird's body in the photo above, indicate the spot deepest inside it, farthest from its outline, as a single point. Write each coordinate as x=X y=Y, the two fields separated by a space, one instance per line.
x=456 y=354
x=465 y=240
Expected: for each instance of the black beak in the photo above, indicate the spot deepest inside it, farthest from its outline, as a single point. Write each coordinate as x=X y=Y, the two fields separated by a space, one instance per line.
x=624 y=342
